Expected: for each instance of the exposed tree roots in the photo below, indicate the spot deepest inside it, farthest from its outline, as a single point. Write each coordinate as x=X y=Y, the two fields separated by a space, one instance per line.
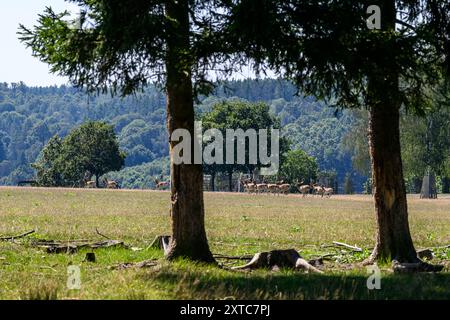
x=415 y=267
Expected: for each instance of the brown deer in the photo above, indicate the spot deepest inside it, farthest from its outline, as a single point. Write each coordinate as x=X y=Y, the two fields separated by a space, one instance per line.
x=111 y=184
x=303 y=188
x=249 y=186
x=328 y=192
x=90 y=184
x=87 y=182
x=261 y=187
x=161 y=185
x=318 y=190
x=283 y=188
x=272 y=188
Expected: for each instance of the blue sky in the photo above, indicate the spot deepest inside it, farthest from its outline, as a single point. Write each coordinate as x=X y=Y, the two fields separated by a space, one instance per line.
x=16 y=62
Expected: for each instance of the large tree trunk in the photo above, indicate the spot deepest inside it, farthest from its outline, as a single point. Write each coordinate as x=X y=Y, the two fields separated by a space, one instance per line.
x=393 y=239
x=187 y=209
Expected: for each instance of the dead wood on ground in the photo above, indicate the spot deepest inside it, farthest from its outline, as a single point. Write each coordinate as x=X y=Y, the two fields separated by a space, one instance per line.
x=72 y=247
x=143 y=264
x=17 y=236
x=341 y=244
x=278 y=259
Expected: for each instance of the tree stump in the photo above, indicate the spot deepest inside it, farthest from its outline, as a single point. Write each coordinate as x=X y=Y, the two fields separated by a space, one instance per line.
x=428 y=190
x=90 y=257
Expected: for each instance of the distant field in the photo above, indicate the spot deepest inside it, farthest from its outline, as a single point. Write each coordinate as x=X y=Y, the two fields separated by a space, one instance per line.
x=237 y=224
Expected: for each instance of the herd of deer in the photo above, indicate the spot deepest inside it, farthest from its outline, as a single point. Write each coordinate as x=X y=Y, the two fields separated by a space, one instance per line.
x=109 y=184
x=283 y=188
x=250 y=186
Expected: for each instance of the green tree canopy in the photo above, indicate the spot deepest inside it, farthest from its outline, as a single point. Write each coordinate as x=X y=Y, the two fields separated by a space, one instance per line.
x=92 y=147
x=238 y=114
x=49 y=168
x=298 y=167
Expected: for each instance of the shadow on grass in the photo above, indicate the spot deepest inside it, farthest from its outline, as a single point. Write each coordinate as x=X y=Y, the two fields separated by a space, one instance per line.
x=199 y=282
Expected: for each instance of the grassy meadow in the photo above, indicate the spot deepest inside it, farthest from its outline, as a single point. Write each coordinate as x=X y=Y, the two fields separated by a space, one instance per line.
x=237 y=224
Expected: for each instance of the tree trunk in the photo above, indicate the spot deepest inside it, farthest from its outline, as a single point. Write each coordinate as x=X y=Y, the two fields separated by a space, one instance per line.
x=97 y=182
x=213 y=185
x=393 y=239
x=230 y=181
x=445 y=184
x=187 y=209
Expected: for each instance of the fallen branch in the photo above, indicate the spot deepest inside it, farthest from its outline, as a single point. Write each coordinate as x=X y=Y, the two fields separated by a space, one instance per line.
x=17 y=236
x=278 y=259
x=142 y=264
x=70 y=247
x=221 y=256
x=102 y=235
x=341 y=244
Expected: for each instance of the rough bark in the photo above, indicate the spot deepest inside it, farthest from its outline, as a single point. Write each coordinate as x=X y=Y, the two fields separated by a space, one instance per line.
x=187 y=209
x=393 y=237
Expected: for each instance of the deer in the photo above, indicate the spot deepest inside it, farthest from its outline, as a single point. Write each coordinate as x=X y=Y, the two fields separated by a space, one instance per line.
x=249 y=186
x=87 y=182
x=327 y=192
x=283 y=188
x=303 y=188
x=318 y=190
x=261 y=187
x=161 y=184
x=90 y=184
x=272 y=188
x=111 y=184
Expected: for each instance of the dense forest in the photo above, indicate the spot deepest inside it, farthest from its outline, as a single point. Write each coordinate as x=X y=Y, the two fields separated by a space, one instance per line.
x=30 y=116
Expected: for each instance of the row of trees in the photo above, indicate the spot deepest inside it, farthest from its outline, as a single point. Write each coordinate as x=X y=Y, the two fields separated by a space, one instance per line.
x=34 y=115
x=93 y=147
x=236 y=114
x=324 y=47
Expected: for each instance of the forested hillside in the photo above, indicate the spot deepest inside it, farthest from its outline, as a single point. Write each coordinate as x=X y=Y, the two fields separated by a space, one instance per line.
x=29 y=117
